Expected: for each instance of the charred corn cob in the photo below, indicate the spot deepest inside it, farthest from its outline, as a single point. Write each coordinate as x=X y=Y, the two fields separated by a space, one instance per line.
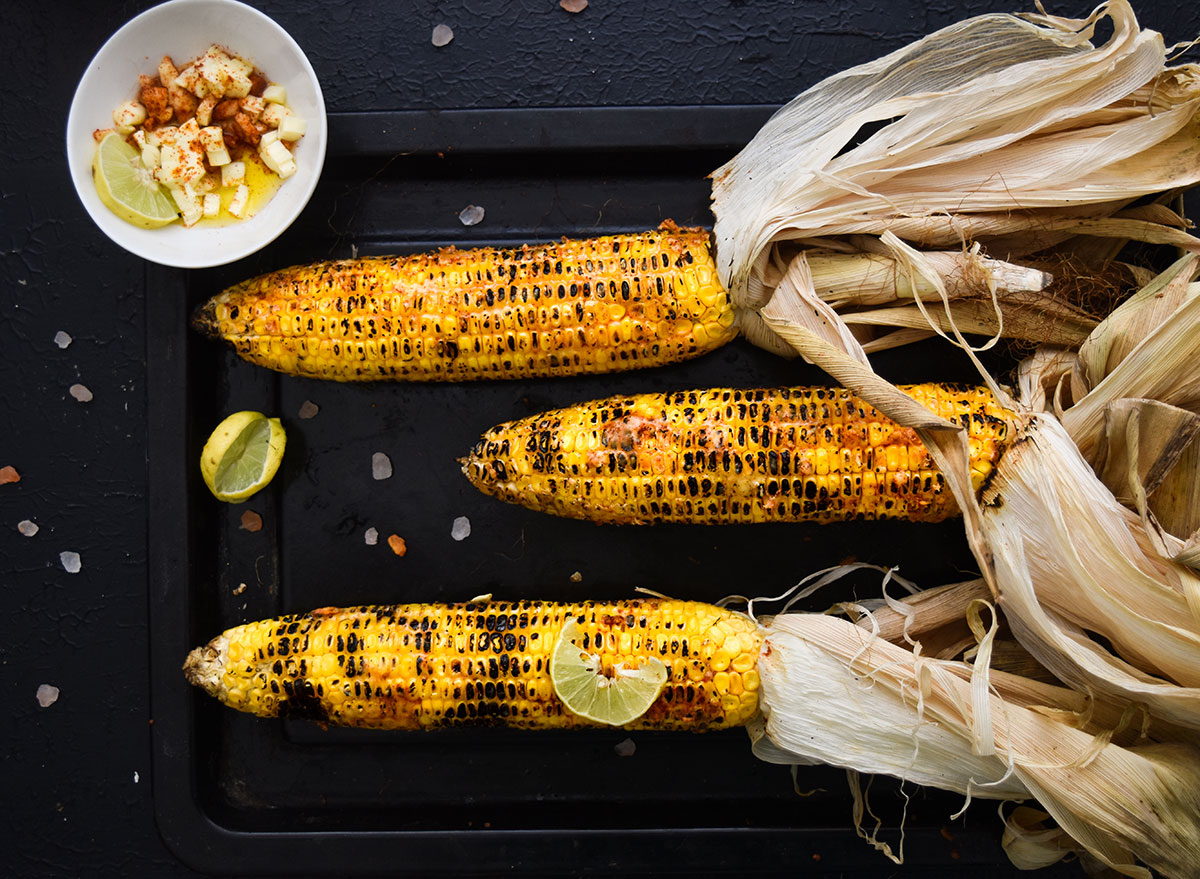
x=723 y=456
x=425 y=666
x=600 y=305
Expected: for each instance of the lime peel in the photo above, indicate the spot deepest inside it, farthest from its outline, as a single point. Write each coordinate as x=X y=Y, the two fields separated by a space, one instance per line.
x=587 y=691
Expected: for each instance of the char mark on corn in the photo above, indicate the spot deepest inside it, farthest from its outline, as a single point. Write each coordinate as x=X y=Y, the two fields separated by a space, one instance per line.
x=427 y=666
x=581 y=306
x=725 y=456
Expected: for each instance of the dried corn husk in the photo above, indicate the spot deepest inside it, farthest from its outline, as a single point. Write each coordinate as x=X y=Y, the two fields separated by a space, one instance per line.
x=1014 y=133
x=834 y=693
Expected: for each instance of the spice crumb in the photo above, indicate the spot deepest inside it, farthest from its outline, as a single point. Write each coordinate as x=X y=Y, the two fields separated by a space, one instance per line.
x=625 y=748
x=251 y=521
x=47 y=695
x=577 y=577
x=381 y=466
x=9 y=474
x=70 y=562
x=442 y=35
x=471 y=215
x=461 y=529
x=80 y=393
x=573 y=6
x=371 y=536
x=241 y=587
x=308 y=409
x=396 y=542
x=28 y=528
x=61 y=339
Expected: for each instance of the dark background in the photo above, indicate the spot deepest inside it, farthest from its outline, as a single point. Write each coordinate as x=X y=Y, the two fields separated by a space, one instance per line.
x=79 y=787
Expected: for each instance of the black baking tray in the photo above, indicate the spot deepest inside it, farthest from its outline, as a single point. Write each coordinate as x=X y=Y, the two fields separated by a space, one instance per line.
x=239 y=795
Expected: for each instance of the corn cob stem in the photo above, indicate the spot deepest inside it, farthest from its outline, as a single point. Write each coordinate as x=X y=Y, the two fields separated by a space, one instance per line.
x=725 y=456
x=601 y=305
x=426 y=666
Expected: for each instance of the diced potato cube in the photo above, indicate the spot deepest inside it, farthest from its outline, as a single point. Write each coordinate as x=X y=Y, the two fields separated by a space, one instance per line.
x=233 y=173
x=212 y=204
x=275 y=94
x=150 y=157
x=129 y=115
x=237 y=207
x=167 y=71
x=274 y=114
x=223 y=74
x=253 y=106
x=213 y=141
x=287 y=168
x=291 y=128
x=179 y=163
x=205 y=108
x=267 y=139
x=189 y=205
x=139 y=138
x=205 y=184
x=275 y=155
x=189 y=78
x=211 y=138
x=190 y=130
x=123 y=130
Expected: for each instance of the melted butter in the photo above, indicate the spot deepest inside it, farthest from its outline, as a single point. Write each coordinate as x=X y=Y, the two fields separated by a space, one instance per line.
x=262 y=182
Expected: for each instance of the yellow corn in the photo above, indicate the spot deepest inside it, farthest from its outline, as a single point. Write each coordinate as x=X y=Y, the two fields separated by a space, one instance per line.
x=600 y=305
x=427 y=666
x=722 y=456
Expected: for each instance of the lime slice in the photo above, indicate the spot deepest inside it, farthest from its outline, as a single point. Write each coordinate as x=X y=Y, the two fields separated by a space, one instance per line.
x=587 y=691
x=242 y=455
x=127 y=188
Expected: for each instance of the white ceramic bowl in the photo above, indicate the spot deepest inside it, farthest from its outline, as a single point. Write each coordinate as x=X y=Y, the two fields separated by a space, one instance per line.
x=183 y=29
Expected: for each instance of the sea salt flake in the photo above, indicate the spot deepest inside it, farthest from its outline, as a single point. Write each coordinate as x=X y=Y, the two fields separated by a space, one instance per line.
x=27 y=527
x=371 y=536
x=308 y=409
x=471 y=215
x=47 y=695
x=461 y=529
x=136 y=777
x=70 y=562
x=80 y=393
x=625 y=748
x=61 y=339
x=381 y=466
x=442 y=35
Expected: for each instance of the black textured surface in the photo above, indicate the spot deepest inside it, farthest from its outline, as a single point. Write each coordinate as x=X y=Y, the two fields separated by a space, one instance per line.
x=80 y=777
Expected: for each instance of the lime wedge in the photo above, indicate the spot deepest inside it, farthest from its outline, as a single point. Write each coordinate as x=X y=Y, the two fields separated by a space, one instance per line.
x=127 y=188
x=242 y=455
x=616 y=699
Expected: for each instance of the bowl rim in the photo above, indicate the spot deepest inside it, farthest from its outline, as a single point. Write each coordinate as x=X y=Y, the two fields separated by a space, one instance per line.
x=112 y=226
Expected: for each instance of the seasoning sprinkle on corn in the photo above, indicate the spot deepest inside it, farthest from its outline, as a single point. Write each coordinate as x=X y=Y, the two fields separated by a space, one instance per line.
x=725 y=456
x=427 y=666
x=600 y=305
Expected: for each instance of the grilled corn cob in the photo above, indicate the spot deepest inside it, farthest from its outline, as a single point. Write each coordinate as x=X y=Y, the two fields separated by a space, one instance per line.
x=600 y=305
x=723 y=456
x=425 y=666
